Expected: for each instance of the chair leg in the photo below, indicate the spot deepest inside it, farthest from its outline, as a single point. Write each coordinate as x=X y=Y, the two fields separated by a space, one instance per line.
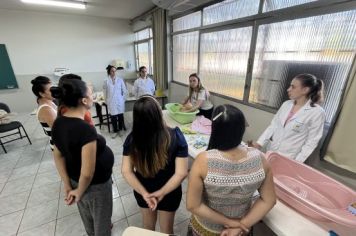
x=2 y=145
x=26 y=135
x=20 y=133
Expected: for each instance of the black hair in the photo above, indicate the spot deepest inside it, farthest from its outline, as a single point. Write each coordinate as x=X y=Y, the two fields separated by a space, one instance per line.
x=68 y=76
x=228 y=128
x=38 y=85
x=108 y=69
x=316 y=93
x=70 y=92
x=141 y=68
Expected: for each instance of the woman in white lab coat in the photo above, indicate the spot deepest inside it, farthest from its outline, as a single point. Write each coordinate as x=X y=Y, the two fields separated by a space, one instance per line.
x=143 y=85
x=115 y=93
x=297 y=127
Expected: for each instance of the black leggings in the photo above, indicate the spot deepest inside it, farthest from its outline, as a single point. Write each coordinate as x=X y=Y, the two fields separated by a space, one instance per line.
x=118 y=120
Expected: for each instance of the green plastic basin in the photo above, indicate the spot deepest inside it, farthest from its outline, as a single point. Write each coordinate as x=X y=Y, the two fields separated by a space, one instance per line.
x=180 y=117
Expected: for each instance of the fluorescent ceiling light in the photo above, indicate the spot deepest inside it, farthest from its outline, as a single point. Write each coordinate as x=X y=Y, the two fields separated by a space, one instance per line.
x=77 y=5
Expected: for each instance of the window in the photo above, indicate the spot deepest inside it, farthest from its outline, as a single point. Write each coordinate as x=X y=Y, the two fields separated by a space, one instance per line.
x=229 y=10
x=253 y=59
x=224 y=56
x=187 y=22
x=271 y=5
x=185 y=57
x=322 y=45
x=144 y=49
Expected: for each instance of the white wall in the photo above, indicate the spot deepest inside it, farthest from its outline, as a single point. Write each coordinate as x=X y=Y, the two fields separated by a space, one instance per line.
x=39 y=42
x=257 y=119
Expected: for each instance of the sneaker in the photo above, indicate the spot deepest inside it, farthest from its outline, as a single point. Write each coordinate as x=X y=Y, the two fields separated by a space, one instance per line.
x=114 y=135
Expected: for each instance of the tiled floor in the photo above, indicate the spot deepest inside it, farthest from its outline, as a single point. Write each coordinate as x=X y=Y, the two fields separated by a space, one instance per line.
x=31 y=198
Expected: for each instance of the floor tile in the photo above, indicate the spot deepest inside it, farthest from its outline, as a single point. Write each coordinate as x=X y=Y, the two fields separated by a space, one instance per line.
x=181 y=214
x=119 y=227
x=4 y=175
x=33 y=158
x=130 y=204
x=65 y=210
x=46 y=178
x=10 y=223
x=44 y=193
x=17 y=186
x=181 y=228
x=12 y=203
x=6 y=165
x=123 y=187
x=115 y=191
x=118 y=210
x=22 y=172
x=70 y=226
x=135 y=220
x=38 y=215
x=47 y=165
x=43 y=230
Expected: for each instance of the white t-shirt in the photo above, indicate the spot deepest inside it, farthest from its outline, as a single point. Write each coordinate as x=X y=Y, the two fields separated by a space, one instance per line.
x=202 y=95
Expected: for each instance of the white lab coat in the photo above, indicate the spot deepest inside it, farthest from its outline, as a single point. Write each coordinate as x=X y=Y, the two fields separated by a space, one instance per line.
x=115 y=95
x=143 y=86
x=298 y=139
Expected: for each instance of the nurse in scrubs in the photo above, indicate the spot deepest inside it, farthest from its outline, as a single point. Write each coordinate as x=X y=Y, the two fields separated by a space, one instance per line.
x=298 y=125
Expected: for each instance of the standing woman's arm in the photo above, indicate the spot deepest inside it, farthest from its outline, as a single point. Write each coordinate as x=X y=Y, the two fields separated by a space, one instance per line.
x=127 y=171
x=87 y=170
x=62 y=170
x=181 y=171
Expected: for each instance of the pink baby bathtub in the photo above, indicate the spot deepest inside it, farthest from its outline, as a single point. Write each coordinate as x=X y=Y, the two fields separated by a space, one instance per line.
x=311 y=192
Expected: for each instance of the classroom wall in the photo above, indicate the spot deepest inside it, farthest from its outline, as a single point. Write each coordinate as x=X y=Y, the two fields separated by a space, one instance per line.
x=39 y=42
x=257 y=119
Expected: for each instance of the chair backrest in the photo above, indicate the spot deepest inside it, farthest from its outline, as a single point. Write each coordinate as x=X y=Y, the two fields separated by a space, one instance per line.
x=4 y=107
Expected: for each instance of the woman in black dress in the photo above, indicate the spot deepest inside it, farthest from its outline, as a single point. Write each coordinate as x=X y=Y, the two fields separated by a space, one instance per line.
x=155 y=164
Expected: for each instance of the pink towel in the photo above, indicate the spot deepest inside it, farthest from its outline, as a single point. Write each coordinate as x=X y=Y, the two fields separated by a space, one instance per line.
x=202 y=125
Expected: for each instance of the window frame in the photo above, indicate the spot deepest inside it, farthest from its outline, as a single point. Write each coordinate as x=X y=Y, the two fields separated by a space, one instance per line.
x=148 y=41
x=305 y=10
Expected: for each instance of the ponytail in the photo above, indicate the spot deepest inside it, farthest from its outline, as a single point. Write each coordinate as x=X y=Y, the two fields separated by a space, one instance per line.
x=316 y=93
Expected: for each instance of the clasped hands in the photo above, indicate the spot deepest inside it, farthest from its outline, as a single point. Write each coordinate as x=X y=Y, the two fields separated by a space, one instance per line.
x=234 y=227
x=71 y=195
x=152 y=199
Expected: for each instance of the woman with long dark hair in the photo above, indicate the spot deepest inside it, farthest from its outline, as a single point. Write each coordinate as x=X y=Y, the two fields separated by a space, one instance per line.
x=155 y=164
x=298 y=125
x=223 y=179
x=82 y=158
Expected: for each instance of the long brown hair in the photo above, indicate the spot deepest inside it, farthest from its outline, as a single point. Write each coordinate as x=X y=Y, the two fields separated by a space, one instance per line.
x=200 y=86
x=150 y=137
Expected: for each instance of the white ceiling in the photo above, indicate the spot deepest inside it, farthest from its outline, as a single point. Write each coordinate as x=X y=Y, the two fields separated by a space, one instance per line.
x=123 y=9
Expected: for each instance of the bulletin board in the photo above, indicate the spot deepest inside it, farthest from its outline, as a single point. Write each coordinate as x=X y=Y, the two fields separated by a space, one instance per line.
x=7 y=76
